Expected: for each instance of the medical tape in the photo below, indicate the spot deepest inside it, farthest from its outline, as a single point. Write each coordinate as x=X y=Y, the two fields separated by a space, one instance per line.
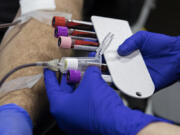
x=19 y=83
x=33 y=5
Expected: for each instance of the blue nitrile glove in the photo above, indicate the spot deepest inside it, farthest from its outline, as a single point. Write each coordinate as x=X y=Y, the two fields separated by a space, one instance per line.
x=93 y=54
x=161 y=54
x=14 y=120
x=92 y=108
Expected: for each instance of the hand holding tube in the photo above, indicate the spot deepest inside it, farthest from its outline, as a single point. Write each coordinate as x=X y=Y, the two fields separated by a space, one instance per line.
x=93 y=107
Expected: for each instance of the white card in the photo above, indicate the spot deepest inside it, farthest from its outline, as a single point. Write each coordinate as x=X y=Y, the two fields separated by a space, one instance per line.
x=129 y=74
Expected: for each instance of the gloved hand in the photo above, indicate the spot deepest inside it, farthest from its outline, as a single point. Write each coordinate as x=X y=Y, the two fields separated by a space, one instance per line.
x=14 y=120
x=92 y=108
x=161 y=54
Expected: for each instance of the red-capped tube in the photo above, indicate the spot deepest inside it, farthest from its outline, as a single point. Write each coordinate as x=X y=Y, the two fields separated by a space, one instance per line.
x=62 y=21
x=58 y=21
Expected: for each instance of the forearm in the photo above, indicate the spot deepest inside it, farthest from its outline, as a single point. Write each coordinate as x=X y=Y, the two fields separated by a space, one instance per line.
x=160 y=128
x=33 y=42
x=27 y=48
x=33 y=101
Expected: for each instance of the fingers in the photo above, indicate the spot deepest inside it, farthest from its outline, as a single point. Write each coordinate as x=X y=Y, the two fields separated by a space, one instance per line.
x=92 y=76
x=64 y=86
x=92 y=72
x=51 y=82
x=133 y=43
x=53 y=88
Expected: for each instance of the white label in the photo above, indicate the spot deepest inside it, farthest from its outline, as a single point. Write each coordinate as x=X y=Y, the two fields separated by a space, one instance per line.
x=71 y=63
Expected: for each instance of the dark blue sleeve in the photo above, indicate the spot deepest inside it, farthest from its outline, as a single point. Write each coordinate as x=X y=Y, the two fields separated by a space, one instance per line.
x=14 y=120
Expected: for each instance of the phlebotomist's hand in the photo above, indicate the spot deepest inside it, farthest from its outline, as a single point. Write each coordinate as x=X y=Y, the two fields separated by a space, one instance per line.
x=93 y=107
x=161 y=54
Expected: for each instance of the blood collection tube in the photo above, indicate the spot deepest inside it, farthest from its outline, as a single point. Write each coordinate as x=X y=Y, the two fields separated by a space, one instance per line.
x=68 y=42
x=80 y=63
x=62 y=21
x=85 y=38
x=84 y=48
x=75 y=76
x=64 y=31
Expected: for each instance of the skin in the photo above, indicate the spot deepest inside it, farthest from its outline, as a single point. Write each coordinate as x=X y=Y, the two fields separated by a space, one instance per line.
x=29 y=43
x=160 y=129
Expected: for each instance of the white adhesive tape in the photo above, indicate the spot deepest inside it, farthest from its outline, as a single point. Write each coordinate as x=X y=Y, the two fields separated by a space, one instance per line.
x=33 y=5
x=19 y=83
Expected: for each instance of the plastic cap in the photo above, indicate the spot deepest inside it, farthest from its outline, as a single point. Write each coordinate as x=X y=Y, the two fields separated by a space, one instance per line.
x=74 y=76
x=58 y=21
x=61 y=31
x=65 y=42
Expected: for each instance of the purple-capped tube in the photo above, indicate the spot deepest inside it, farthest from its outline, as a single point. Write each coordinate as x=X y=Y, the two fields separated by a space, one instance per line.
x=60 y=31
x=73 y=76
x=64 y=31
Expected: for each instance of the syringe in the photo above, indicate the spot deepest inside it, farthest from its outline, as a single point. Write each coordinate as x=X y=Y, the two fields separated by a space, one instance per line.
x=80 y=63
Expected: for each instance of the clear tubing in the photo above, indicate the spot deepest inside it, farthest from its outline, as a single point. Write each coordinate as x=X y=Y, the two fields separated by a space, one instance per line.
x=6 y=25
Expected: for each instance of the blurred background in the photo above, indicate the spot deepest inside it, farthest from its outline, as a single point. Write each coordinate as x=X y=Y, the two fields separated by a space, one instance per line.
x=163 y=16
x=8 y=10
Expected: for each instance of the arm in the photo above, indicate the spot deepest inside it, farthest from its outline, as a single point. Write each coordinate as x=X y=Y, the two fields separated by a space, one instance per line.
x=160 y=129
x=32 y=42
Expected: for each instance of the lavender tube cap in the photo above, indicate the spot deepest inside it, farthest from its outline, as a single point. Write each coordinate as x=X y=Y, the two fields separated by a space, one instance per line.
x=60 y=31
x=74 y=76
